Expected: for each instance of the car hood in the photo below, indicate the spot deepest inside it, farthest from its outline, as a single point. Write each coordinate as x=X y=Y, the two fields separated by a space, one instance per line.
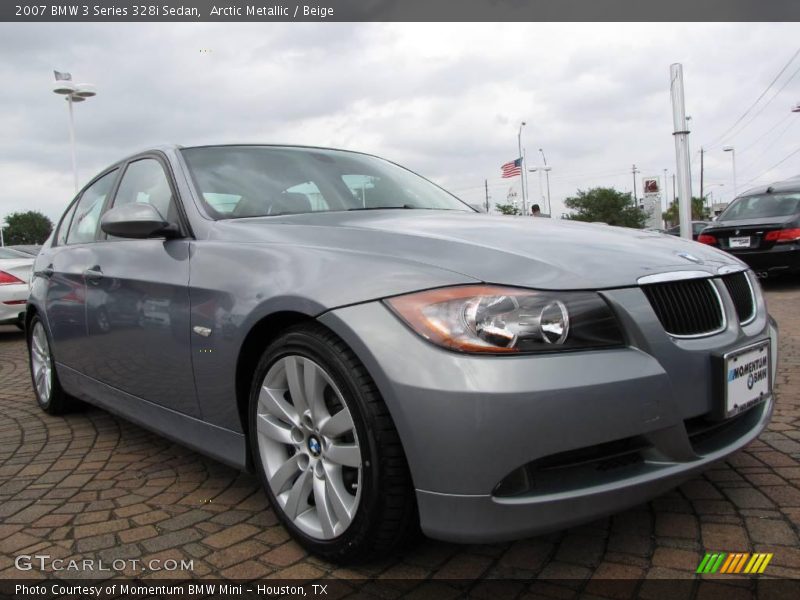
x=520 y=251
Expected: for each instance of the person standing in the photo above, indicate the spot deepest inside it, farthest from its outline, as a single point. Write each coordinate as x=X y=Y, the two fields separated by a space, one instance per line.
x=536 y=211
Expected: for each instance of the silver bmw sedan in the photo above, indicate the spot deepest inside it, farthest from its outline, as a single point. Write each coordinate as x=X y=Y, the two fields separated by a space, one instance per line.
x=385 y=358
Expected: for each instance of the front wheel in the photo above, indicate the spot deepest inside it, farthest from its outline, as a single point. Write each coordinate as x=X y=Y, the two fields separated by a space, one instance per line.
x=326 y=449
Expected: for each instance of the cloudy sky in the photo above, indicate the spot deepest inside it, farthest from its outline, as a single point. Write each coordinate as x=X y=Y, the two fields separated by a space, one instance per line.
x=445 y=100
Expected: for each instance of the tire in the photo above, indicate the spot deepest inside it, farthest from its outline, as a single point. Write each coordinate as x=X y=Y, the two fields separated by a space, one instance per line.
x=46 y=387
x=339 y=503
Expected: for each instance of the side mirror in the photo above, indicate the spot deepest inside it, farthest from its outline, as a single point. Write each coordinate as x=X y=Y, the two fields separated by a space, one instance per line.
x=137 y=220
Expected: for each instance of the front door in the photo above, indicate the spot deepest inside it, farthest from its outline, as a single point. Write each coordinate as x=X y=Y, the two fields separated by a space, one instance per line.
x=137 y=303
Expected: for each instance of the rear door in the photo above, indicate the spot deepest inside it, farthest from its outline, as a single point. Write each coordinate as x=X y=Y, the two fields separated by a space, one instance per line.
x=137 y=300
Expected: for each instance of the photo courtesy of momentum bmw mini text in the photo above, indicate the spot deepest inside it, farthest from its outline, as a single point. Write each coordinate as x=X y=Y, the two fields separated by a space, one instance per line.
x=400 y=299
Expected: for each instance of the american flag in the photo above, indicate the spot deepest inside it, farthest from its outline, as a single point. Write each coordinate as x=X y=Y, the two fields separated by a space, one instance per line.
x=512 y=169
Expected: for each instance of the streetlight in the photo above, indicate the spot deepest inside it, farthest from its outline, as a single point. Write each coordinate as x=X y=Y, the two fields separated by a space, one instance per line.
x=732 y=150
x=539 y=171
x=710 y=200
x=522 y=174
x=73 y=93
x=547 y=177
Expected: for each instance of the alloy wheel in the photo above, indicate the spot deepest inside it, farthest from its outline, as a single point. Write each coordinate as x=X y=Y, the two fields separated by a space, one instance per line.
x=40 y=362
x=309 y=447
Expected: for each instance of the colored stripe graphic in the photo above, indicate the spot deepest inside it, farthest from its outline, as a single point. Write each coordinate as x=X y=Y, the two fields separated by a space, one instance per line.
x=734 y=563
x=711 y=562
x=730 y=564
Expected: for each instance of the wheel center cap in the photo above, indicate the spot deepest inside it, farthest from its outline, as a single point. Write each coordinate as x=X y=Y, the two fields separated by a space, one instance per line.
x=314 y=446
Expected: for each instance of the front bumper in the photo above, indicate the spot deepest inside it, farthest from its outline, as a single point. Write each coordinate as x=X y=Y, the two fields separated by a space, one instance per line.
x=468 y=423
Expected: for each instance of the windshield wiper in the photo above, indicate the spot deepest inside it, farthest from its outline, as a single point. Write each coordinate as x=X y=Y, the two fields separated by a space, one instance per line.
x=404 y=206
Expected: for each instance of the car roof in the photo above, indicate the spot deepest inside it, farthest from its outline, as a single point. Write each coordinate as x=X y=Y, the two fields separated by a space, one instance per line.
x=787 y=185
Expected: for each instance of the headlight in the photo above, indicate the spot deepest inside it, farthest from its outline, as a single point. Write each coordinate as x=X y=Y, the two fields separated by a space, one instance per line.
x=480 y=318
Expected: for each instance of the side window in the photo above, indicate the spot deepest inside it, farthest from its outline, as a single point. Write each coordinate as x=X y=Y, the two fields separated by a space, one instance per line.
x=87 y=214
x=145 y=181
x=63 y=228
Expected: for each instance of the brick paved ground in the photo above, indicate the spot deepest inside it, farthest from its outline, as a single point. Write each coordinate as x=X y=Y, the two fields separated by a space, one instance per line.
x=93 y=486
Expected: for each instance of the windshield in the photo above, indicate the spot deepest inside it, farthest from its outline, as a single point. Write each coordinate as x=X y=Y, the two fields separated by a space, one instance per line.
x=9 y=253
x=254 y=181
x=762 y=206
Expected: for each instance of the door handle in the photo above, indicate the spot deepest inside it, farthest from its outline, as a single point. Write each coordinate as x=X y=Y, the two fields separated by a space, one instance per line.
x=93 y=275
x=47 y=272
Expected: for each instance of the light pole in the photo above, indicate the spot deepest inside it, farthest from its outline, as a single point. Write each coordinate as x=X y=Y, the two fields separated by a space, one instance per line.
x=539 y=171
x=547 y=177
x=522 y=173
x=2 y=239
x=73 y=93
x=732 y=150
x=710 y=199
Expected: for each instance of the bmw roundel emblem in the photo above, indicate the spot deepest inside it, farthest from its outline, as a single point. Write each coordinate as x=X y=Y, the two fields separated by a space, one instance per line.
x=691 y=258
x=314 y=446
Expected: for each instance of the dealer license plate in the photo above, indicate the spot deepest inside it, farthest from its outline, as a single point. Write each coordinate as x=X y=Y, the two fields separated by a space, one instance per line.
x=739 y=242
x=747 y=377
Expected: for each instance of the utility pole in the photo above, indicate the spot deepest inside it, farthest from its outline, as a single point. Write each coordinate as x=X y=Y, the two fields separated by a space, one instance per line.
x=547 y=177
x=674 y=189
x=702 y=195
x=666 y=191
x=681 y=135
x=486 y=184
x=635 y=200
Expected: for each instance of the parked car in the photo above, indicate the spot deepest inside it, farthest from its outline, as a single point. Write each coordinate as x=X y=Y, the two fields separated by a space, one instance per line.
x=383 y=356
x=29 y=249
x=762 y=228
x=15 y=270
x=697 y=228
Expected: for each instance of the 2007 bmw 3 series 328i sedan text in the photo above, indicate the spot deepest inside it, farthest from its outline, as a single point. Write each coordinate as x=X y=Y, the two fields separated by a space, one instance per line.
x=383 y=356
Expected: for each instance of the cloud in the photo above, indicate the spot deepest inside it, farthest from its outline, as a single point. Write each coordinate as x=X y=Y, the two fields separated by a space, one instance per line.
x=444 y=99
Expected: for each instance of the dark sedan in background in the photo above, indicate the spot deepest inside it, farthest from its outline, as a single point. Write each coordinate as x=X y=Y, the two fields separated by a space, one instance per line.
x=383 y=356
x=762 y=228
x=697 y=229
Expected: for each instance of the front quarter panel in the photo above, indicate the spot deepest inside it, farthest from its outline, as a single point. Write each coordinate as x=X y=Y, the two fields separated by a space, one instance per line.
x=236 y=285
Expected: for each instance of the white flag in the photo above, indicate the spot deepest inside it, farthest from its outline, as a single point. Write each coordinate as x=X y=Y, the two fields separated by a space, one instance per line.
x=62 y=76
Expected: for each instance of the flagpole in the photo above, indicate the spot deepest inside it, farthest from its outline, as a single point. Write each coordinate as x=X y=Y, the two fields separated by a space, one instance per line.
x=72 y=144
x=522 y=173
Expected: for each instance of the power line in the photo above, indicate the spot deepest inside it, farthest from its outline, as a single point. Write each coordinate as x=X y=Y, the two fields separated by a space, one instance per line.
x=777 y=164
x=752 y=106
x=785 y=118
x=768 y=102
x=774 y=141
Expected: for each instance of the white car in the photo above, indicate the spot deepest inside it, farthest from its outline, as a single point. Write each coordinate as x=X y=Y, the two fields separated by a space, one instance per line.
x=15 y=272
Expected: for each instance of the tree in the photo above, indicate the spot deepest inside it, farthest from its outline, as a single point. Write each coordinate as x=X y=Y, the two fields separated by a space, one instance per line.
x=507 y=209
x=30 y=227
x=671 y=216
x=605 y=205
